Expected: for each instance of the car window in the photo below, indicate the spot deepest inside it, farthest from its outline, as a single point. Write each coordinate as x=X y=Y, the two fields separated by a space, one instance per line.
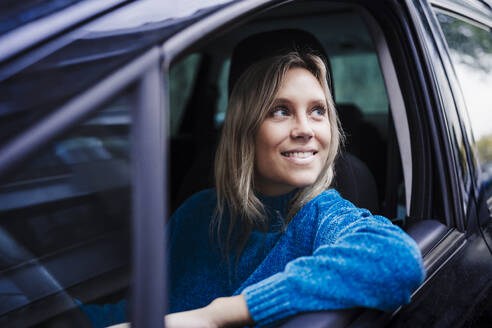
x=364 y=113
x=362 y=71
x=470 y=47
x=64 y=227
x=360 y=94
x=223 y=92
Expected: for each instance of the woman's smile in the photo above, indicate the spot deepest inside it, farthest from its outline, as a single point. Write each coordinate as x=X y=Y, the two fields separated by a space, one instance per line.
x=291 y=145
x=301 y=157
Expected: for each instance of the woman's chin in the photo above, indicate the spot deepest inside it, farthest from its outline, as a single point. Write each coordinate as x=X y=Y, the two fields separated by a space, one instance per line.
x=302 y=180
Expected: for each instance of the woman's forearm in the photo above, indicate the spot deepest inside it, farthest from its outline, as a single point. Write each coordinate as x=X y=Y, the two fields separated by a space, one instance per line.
x=222 y=312
x=230 y=312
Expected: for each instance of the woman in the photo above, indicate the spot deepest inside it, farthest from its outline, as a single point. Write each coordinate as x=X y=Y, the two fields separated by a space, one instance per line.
x=282 y=243
x=272 y=239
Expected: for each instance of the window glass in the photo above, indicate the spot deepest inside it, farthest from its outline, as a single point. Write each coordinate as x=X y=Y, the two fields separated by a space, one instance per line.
x=223 y=95
x=470 y=47
x=64 y=227
x=362 y=72
x=181 y=82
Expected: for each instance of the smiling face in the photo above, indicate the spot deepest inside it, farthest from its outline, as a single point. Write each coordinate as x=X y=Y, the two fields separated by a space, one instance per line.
x=292 y=143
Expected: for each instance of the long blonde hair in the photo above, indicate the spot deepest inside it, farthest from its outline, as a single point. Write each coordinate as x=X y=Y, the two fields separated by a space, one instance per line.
x=250 y=101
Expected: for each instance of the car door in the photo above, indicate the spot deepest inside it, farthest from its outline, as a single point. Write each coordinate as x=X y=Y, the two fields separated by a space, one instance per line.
x=82 y=220
x=459 y=290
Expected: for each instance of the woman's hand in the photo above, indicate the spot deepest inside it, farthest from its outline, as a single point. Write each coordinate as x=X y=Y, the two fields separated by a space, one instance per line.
x=222 y=312
x=200 y=318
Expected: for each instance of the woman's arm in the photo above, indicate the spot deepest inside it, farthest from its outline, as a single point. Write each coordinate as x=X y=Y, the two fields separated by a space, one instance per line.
x=358 y=260
x=222 y=312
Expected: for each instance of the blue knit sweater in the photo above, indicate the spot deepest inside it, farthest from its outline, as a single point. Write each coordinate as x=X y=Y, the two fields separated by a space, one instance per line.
x=332 y=255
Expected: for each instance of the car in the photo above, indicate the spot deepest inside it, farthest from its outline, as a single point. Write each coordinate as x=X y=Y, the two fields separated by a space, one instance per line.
x=109 y=118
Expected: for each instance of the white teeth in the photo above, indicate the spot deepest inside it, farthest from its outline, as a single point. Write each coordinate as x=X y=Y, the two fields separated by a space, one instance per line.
x=299 y=154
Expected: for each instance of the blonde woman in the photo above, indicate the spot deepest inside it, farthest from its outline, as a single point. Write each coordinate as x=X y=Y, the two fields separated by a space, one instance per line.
x=283 y=242
x=273 y=239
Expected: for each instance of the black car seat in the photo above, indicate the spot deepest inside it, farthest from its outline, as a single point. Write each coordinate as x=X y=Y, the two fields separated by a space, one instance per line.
x=353 y=179
x=364 y=141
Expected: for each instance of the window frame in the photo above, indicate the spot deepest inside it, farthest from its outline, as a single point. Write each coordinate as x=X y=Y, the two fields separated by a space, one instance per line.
x=395 y=100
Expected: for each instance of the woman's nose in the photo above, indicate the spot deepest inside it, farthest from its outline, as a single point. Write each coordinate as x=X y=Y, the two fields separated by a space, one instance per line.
x=302 y=128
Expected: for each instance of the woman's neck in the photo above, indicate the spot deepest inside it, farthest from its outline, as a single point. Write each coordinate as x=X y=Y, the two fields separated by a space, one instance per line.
x=278 y=203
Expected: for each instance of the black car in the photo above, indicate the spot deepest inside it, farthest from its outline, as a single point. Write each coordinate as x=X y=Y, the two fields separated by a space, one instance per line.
x=109 y=117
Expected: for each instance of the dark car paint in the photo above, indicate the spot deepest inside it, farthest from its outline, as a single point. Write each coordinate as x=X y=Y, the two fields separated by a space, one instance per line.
x=459 y=264
x=453 y=291
x=18 y=13
x=42 y=27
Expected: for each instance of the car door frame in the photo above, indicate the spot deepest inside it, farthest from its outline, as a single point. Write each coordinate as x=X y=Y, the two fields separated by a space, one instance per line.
x=452 y=254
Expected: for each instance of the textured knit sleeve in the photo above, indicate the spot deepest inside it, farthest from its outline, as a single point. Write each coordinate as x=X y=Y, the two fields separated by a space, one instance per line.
x=358 y=260
x=102 y=316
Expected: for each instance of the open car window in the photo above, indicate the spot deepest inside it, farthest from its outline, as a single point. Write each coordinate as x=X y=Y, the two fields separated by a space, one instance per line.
x=360 y=95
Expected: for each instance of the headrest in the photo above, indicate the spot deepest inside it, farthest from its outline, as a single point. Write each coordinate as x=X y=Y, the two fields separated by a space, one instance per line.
x=269 y=44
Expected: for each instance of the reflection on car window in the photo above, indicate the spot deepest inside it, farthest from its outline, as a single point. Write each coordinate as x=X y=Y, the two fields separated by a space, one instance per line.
x=64 y=224
x=470 y=47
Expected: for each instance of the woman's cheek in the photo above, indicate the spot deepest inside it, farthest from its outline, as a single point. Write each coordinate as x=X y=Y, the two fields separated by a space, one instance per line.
x=325 y=135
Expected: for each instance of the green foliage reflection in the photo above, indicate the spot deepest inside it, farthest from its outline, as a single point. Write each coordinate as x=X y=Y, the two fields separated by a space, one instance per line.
x=468 y=41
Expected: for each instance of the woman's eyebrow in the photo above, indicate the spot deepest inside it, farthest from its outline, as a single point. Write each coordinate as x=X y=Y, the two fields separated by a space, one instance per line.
x=277 y=101
x=287 y=100
x=281 y=101
x=318 y=102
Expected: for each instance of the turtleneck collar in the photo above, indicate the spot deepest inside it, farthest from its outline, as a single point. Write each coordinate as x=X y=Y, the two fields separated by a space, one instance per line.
x=277 y=205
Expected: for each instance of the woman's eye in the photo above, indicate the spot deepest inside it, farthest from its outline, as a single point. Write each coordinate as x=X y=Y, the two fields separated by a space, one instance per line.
x=319 y=111
x=279 y=111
